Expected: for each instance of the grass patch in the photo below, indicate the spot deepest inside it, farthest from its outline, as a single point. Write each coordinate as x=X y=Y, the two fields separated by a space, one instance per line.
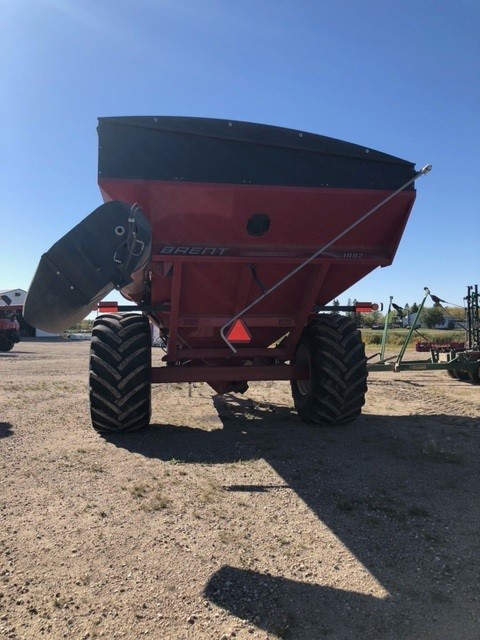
x=59 y=602
x=96 y=468
x=140 y=490
x=283 y=542
x=150 y=496
x=156 y=503
x=396 y=337
x=41 y=385
x=209 y=493
x=224 y=536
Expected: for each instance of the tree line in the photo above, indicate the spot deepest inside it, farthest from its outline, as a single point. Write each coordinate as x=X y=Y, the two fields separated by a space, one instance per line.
x=430 y=317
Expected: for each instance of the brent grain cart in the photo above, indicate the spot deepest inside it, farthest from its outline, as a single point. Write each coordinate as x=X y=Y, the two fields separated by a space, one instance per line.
x=230 y=237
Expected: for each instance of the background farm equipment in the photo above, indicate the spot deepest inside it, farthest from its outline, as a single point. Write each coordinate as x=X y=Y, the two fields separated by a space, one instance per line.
x=425 y=347
x=461 y=360
x=241 y=234
x=9 y=325
x=9 y=330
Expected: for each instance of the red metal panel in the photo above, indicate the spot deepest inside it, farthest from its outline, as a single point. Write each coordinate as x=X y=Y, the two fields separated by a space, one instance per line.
x=230 y=374
x=251 y=321
x=243 y=353
x=302 y=218
x=175 y=307
x=243 y=289
x=317 y=277
x=201 y=231
x=291 y=261
x=108 y=306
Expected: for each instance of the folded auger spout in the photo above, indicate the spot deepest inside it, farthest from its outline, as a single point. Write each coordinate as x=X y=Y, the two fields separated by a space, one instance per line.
x=98 y=255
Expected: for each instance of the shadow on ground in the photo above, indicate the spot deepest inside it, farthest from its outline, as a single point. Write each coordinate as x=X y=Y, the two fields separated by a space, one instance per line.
x=401 y=492
x=15 y=353
x=6 y=430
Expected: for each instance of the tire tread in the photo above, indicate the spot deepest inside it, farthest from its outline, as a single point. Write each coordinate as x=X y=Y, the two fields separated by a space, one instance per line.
x=120 y=363
x=338 y=372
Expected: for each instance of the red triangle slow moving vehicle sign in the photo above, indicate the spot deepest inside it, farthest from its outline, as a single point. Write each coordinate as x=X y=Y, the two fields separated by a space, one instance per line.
x=239 y=332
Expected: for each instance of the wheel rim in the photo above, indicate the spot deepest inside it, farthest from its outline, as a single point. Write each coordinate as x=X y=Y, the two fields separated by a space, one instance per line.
x=302 y=358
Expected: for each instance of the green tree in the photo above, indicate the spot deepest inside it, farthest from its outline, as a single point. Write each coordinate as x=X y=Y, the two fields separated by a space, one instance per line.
x=350 y=314
x=455 y=313
x=335 y=304
x=83 y=325
x=372 y=318
x=432 y=316
x=356 y=317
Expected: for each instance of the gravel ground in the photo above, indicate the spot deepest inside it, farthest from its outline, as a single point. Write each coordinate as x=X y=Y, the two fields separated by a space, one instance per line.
x=230 y=518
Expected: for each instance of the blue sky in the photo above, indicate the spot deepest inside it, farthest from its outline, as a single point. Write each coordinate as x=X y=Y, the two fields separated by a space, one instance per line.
x=402 y=77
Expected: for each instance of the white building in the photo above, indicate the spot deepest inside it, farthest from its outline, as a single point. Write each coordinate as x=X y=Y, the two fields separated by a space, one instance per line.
x=14 y=299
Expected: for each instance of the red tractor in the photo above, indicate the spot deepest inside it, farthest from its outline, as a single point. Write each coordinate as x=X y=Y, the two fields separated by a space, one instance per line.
x=9 y=330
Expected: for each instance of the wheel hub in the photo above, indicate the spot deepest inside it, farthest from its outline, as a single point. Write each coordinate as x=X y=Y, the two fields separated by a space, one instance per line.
x=302 y=358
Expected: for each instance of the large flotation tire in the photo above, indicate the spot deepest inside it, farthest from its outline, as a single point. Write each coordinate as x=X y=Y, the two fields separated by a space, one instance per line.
x=332 y=350
x=6 y=345
x=474 y=376
x=120 y=368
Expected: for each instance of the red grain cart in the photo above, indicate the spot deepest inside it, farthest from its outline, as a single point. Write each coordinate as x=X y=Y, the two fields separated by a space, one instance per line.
x=230 y=237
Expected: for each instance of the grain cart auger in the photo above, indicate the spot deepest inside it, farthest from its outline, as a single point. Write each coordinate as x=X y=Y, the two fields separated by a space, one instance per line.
x=241 y=234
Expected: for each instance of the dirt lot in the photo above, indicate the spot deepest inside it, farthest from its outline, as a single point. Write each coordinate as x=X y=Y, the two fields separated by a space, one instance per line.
x=230 y=518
